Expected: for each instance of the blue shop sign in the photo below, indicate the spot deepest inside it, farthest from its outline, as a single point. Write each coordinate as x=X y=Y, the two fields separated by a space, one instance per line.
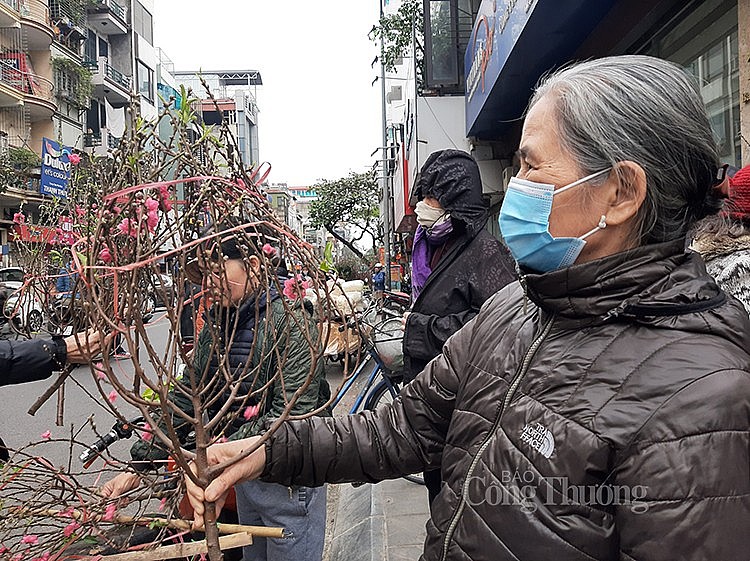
x=165 y=91
x=55 y=169
x=496 y=30
x=513 y=43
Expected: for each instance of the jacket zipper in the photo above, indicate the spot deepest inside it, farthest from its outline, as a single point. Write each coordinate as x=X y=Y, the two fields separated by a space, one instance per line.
x=506 y=402
x=522 y=282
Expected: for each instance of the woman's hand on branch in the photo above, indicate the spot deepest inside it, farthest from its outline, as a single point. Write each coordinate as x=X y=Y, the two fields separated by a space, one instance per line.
x=120 y=484
x=248 y=468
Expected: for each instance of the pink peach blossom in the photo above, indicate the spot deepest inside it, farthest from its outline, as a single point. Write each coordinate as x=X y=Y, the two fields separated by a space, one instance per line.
x=295 y=287
x=74 y=159
x=30 y=539
x=112 y=397
x=152 y=219
x=67 y=513
x=147 y=434
x=126 y=226
x=105 y=255
x=164 y=198
x=46 y=435
x=250 y=412
x=70 y=529
x=19 y=218
x=109 y=513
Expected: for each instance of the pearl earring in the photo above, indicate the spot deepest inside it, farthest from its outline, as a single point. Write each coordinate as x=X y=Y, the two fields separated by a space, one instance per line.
x=602 y=222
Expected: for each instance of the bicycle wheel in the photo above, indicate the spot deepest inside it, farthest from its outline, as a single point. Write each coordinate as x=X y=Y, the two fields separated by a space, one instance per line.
x=379 y=395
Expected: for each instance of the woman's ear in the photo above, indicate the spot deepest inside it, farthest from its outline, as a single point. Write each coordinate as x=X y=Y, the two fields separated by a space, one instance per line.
x=628 y=193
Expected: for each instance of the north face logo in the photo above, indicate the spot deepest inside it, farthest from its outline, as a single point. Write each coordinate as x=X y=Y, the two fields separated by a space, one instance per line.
x=539 y=438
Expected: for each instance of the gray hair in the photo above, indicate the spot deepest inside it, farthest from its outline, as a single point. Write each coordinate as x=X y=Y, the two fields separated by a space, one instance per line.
x=648 y=111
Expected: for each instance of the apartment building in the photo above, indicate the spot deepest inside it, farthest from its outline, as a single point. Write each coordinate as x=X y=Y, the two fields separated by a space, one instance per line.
x=70 y=70
x=301 y=199
x=235 y=101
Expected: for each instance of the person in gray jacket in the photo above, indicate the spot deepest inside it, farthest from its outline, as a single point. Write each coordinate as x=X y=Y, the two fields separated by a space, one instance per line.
x=598 y=409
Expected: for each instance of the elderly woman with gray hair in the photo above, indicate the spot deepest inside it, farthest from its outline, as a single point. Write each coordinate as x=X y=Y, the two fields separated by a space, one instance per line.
x=598 y=409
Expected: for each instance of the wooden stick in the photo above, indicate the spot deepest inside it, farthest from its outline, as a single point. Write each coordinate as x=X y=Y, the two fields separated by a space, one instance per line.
x=60 y=405
x=180 y=550
x=52 y=389
x=174 y=524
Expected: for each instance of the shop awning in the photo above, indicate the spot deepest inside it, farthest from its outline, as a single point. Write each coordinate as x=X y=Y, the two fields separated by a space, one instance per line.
x=514 y=42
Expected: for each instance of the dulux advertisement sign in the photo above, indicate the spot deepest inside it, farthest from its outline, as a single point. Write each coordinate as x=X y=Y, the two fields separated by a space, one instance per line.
x=55 y=169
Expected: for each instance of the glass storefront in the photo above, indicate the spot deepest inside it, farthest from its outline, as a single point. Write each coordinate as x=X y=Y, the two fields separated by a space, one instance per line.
x=704 y=42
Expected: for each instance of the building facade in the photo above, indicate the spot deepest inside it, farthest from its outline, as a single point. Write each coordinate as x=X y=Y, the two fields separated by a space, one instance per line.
x=515 y=42
x=235 y=101
x=483 y=57
x=302 y=198
x=71 y=70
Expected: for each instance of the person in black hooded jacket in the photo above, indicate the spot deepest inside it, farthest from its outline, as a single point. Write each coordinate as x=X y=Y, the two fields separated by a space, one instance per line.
x=456 y=263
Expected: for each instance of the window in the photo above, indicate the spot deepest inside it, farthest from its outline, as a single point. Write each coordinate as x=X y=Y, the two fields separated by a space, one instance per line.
x=448 y=27
x=103 y=48
x=145 y=81
x=705 y=43
x=143 y=22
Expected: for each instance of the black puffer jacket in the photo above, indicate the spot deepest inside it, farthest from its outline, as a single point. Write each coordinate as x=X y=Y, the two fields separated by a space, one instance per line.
x=475 y=267
x=28 y=361
x=608 y=419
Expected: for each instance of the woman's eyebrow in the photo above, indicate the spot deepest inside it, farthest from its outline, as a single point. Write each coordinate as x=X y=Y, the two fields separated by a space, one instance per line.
x=525 y=153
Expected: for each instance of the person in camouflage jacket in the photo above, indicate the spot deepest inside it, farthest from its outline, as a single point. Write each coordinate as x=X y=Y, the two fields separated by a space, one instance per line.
x=254 y=334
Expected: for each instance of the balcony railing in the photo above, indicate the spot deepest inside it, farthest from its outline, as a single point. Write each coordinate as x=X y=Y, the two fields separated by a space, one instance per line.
x=70 y=12
x=117 y=9
x=109 y=72
x=117 y=77
x=12 y=3
x=112 y=141
x=37 y=11
x=28 y=83
x=91 y=140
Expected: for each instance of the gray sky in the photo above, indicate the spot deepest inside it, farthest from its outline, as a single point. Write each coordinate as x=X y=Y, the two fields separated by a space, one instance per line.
x=320 y=117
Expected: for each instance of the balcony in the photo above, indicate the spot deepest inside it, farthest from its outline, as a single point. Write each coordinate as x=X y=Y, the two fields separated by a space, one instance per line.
x=108 y=82
x=100 y=143
x=91 y=140
x=9 y=96
x=37 y=91
x=70 y=17
x=108 y=17
x=9 y=13
x=70 y=88
x=37 y=23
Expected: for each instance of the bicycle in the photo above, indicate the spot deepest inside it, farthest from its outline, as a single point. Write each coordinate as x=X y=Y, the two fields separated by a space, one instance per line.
x=383 y=360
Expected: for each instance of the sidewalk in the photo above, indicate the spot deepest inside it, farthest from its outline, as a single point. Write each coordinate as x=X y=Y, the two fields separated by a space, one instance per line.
x=383 y=522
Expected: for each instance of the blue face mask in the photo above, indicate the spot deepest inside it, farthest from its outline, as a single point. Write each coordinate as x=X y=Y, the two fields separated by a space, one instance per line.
x=524 y=223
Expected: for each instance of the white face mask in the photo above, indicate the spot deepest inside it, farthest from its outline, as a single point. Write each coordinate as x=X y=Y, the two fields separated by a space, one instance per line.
x=430 y=216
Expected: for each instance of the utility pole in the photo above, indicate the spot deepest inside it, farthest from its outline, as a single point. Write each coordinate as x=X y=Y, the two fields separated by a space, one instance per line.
x=384 y=175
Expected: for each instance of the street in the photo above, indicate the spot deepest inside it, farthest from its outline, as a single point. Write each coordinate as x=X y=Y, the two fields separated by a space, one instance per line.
x=18 y=428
